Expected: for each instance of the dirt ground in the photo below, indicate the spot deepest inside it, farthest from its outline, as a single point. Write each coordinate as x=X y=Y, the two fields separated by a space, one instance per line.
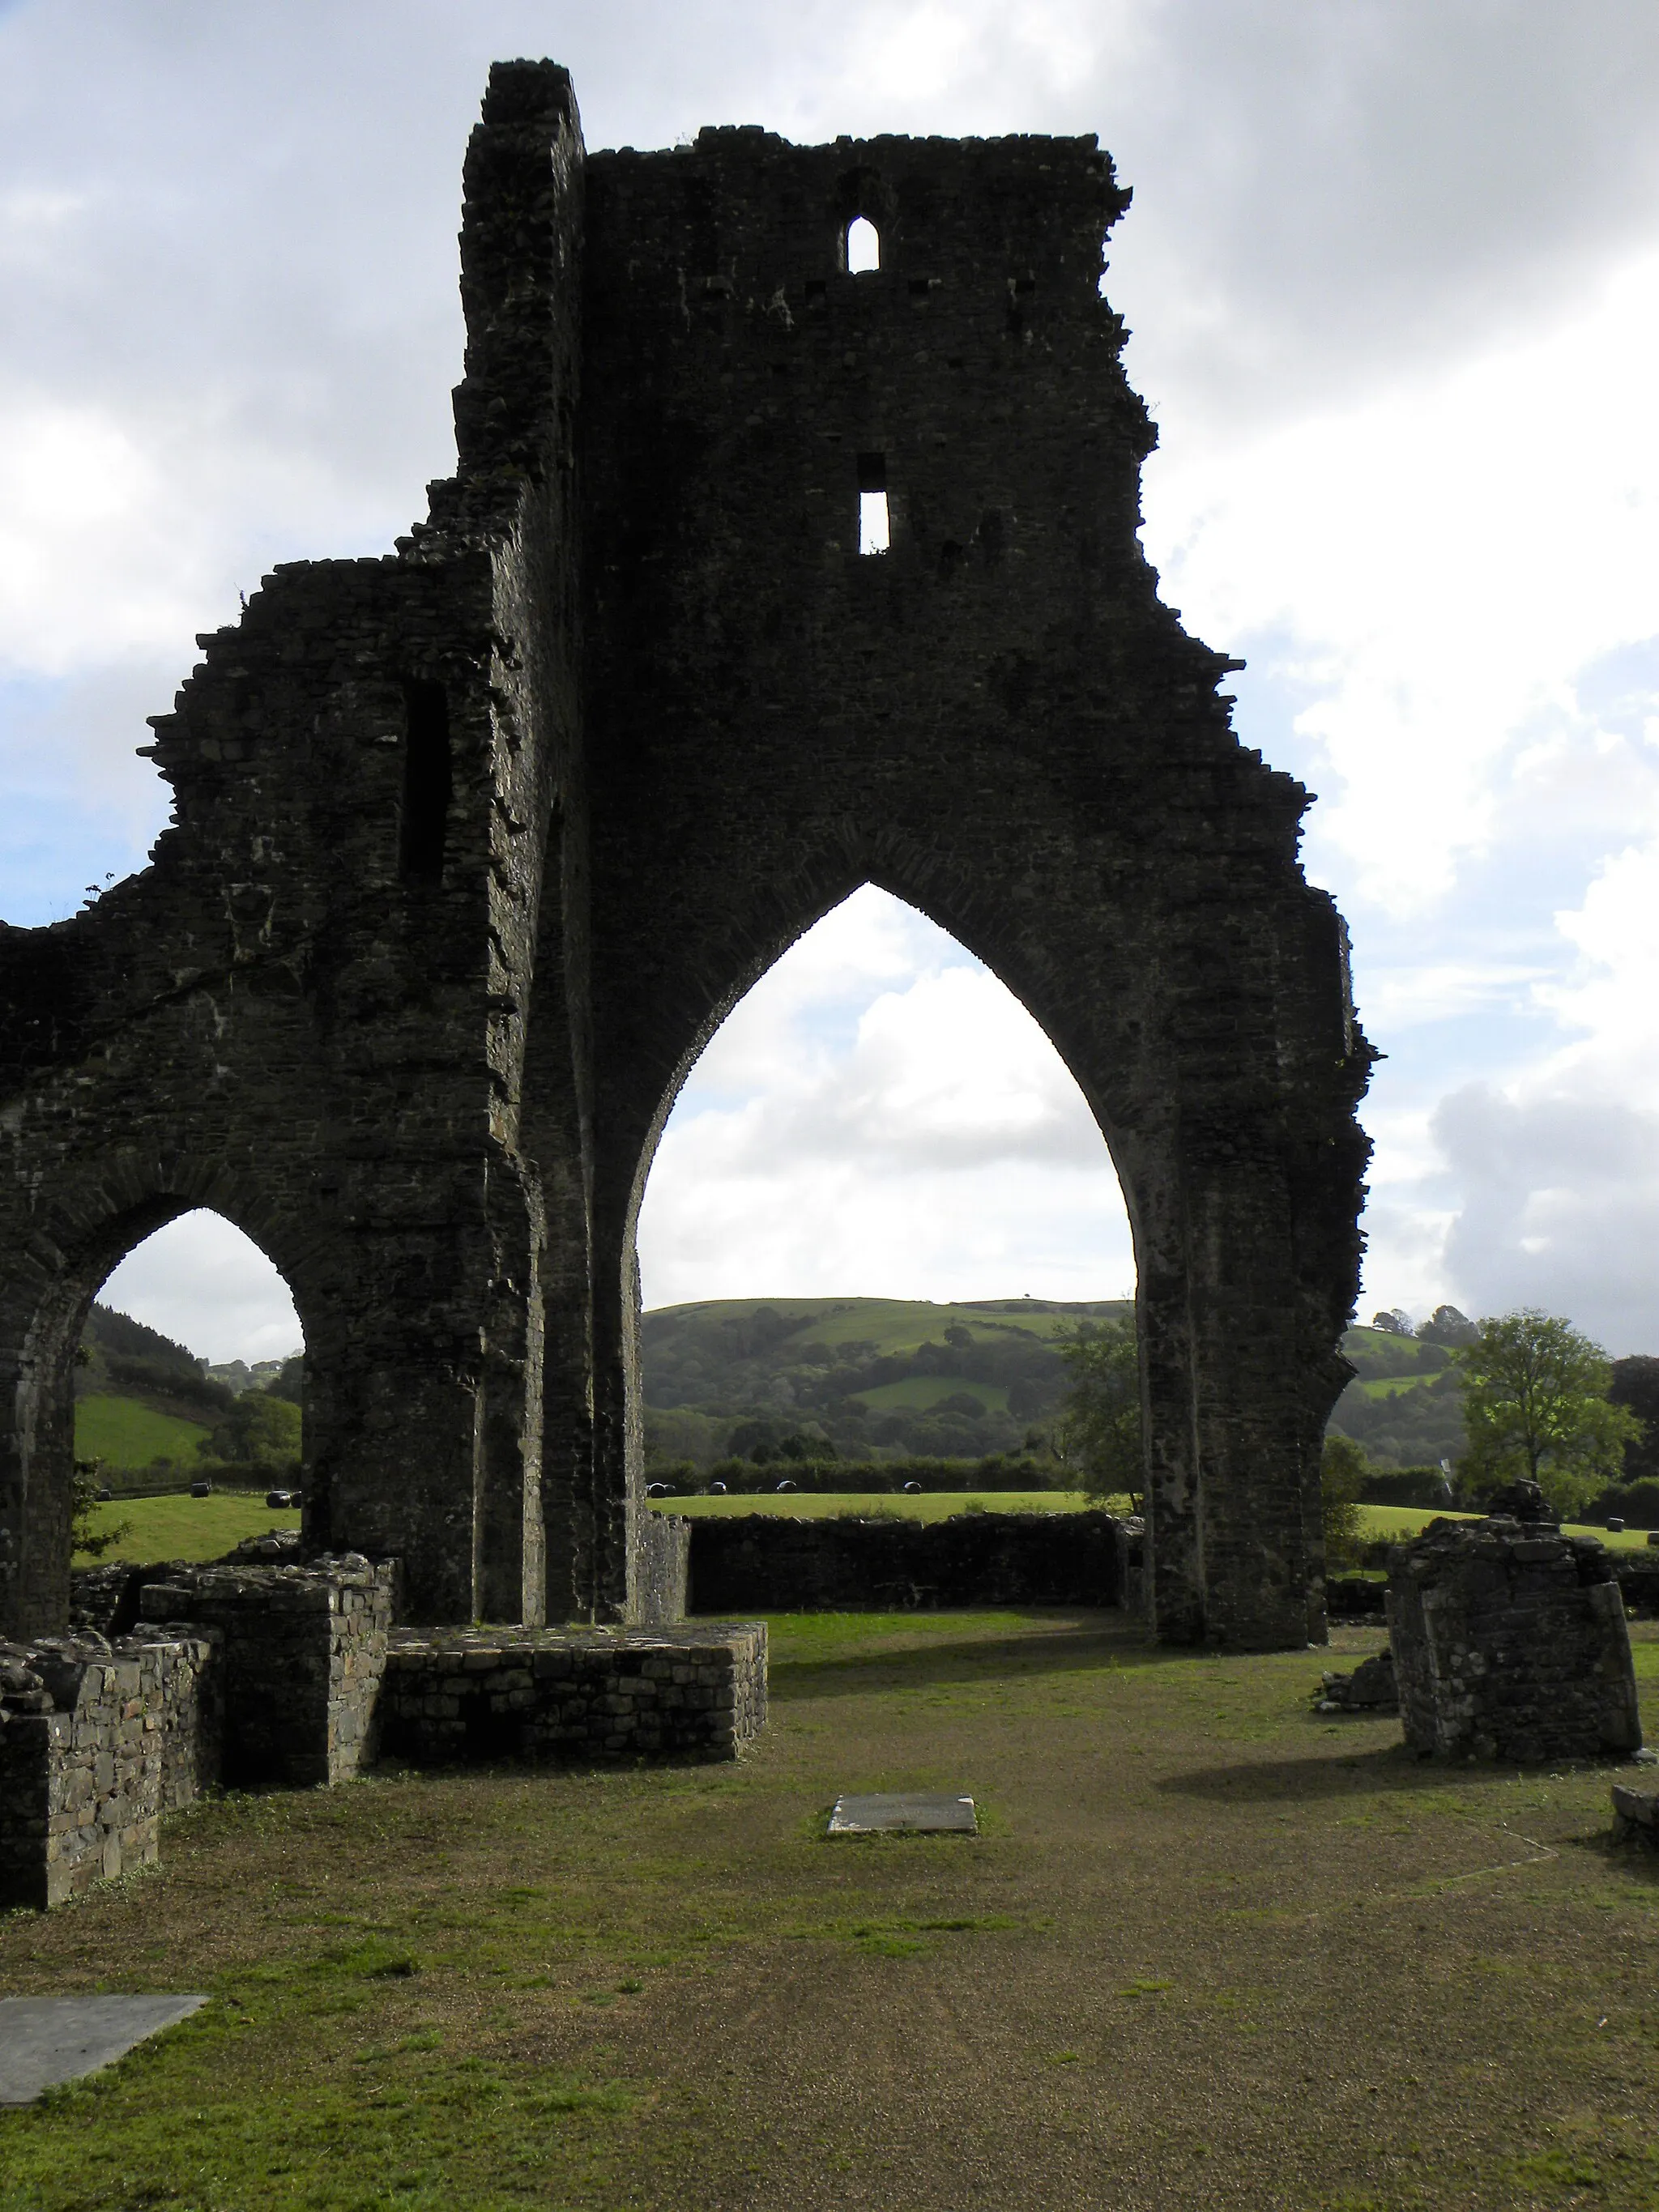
x=1209 y=1950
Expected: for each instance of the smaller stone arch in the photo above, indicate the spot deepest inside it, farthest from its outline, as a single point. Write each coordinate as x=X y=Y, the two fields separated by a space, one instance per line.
x=47 y=1287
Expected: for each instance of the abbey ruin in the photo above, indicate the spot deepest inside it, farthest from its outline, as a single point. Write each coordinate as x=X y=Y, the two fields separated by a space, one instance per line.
x=476 y=844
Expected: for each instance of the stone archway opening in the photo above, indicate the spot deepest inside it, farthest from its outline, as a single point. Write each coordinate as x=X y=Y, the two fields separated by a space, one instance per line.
x=879 y=1115
x=115 y=1378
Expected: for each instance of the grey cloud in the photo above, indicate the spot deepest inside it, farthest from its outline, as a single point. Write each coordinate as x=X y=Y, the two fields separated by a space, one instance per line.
x=1559 y=1209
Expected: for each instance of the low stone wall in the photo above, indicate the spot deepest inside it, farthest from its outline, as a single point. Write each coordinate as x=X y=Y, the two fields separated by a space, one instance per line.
x=305 y=1649
x=266 y=1670
x=766 y=1563
x=97 y=1740
x=451 y=1696
x=1509 y=1642
x=661 y=1570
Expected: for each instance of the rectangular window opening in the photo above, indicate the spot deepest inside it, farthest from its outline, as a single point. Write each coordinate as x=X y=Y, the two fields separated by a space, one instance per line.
x=428 y=783
x=873 y=502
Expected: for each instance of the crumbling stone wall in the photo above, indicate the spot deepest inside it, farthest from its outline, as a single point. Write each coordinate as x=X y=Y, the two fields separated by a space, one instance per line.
x=697 y=1691
x=475 y=844
x=97 y=1740
x=1509 y=1642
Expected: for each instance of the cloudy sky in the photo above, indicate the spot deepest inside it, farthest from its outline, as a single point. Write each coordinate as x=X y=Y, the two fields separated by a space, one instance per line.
x=1393 y=274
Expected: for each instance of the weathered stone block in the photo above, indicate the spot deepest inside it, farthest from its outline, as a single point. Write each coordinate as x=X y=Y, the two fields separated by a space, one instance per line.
x=1509 y=1642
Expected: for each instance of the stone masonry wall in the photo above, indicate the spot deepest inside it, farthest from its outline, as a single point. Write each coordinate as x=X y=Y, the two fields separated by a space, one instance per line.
x=305 y=1649
x=697 y=1691
x=768 y=1563
x=97 y=1740
x=1509 y=1642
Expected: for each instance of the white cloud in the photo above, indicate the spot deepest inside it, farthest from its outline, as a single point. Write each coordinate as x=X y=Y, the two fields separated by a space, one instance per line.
x=937 y=1145
x=205 y=1285
x=1439 y=563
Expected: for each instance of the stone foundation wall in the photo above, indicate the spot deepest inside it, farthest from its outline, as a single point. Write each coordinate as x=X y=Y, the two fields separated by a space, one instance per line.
x=691 y=1692
x=305 y=1649
x=764 y=1563
x=1509 y=1642
x=97 y=1740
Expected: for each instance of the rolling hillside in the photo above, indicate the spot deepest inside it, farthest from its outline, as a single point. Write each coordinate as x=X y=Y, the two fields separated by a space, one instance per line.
x=1405 y=1404
x=890 y=1377
x=876 y=1377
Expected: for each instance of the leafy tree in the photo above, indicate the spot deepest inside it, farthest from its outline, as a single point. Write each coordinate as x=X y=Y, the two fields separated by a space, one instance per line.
x=1536 y=1405
x=1636 y=1384
x=1445 y=1325
x=87 y=1539
x=1343 y=1469
x=257 y=1427
x=290 y=1380
x=1393 y=1321
x=1098 y=1435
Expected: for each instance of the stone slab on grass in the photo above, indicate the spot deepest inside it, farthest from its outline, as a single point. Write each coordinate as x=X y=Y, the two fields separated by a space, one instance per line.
x=46 y=2040
x=903 y=1812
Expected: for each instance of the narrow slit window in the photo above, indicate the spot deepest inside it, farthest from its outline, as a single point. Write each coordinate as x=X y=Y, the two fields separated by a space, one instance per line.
x=863 y=246
x=873 y=502
x=428 y=783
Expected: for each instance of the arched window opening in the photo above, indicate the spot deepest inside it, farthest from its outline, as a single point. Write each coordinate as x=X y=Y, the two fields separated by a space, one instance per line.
x=880 y=1120
x=862 y=247
x=191 y=1367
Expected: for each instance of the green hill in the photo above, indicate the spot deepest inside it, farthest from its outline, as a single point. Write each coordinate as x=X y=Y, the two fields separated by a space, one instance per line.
x=881 y=1378
x=1405 y=1404
x=126 y=1433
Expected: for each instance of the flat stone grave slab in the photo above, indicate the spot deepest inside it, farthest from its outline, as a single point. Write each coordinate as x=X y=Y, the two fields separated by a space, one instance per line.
x=903 y=1812
x=46 y=2040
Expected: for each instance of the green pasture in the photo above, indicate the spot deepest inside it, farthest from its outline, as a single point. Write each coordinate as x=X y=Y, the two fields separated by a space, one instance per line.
x=203 y=1527
x=928 y=1505
x=187 y=1528
x=892 y=1325
x=124 y=1433
x=1400 y=1521
x=1386 y=1386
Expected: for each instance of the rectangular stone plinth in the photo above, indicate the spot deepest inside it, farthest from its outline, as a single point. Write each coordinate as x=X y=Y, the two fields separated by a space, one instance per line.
x=1509 y=1642
x=572 y=1694
x=304 y=1651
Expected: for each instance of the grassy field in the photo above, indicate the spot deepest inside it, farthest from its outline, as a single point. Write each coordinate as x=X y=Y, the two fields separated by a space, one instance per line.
x=187 y=1528
x=1210 y=1951
x=1383 y=1386
x=202 y=1527
x=127 y=1434
x=1399 y=1522
x=929 y=1505
x=892 y=1325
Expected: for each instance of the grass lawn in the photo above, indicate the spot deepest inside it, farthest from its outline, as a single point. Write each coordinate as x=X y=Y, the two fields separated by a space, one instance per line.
x=1211 y=1950
x=187 y=1528
x=127 y=1434
x=924 y=1505
x=1400 y=1521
